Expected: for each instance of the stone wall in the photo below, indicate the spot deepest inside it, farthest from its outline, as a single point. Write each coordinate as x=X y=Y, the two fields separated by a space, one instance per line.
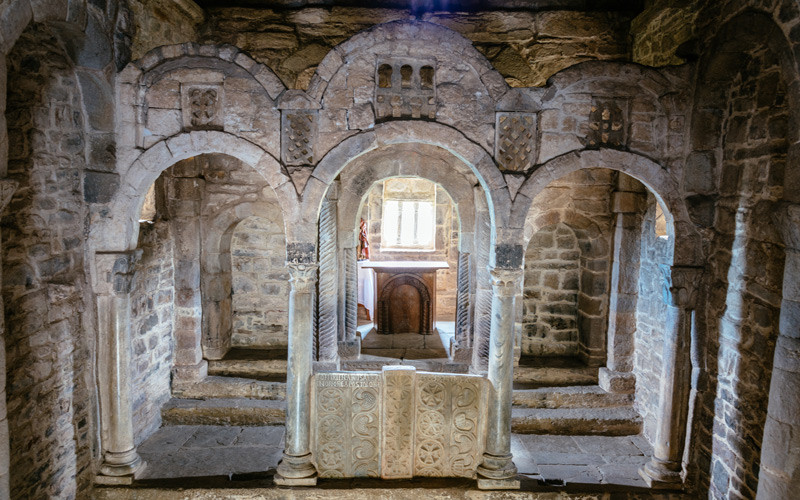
x=446 y=244
x=162 y=22
x=550 y=295
x=651 y=316
x=152 y=341
x=581 y=201
x=260 y=284
x=49 y=358
x=525 y=47
x=747 y=269
x=661 y=29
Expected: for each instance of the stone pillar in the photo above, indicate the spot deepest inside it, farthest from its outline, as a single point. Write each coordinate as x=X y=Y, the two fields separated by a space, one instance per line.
x=328 y=303
x=497 y=470
x=113 y=284
x=351 y=298
x=617 y=376
x=296 y=467
x=184 y=208
x=665 y=468
x=779 y=476
x=7 y=189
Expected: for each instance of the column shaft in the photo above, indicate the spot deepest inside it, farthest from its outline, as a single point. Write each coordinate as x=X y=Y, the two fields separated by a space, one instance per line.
x=121 y=461
x=327 y=307
x=497 y=470
x=665 y=468
x=296 y=467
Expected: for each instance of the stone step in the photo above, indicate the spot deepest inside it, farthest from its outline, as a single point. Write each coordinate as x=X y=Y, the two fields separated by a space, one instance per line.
x=580 y=396
x=618 y=421
x=216 y=387
x=531 y=377
x=260 y=369
x=238 y=412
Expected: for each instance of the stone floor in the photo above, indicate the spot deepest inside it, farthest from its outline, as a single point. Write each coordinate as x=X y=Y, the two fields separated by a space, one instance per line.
x=208 y=451
x=406 y=345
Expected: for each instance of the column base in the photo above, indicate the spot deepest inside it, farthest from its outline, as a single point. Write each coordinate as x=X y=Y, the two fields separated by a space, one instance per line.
x=497 y=473
x=662 y=475
x=296 y=471
x=120 y=468
x=616 y=382
x=350 y=349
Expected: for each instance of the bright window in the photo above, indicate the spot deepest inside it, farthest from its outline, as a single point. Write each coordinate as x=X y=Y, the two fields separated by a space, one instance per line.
x=409 y=215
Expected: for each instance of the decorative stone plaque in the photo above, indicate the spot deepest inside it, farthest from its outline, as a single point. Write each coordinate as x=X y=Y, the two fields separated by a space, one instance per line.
x=298 y=132
x=449 y=437
x=608 y=123
x=347 y=424
x=405 y=88
x=398 y=423
x=515 y=143
x=201 y=106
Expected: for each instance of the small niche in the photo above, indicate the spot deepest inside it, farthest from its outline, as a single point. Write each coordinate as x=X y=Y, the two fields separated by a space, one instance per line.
x=385 y=76
x=426 y=77
x=406 y=73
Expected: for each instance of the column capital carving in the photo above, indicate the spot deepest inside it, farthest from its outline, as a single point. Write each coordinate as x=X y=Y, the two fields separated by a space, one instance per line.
x=505 y=282
x=681 y=284
x=7 y=189
x=303 y=276
x=115 y=272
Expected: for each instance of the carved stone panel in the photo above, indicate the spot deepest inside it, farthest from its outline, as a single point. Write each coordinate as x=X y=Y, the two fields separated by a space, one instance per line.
x=398 y=422
x=515 y=143
x=201 y=106
x=449 y=436
x=608 y=123
x=298 y=134
x=405 y=88
x=347 y=430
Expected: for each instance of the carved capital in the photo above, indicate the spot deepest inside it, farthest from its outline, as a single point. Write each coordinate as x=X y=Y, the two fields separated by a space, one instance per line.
x=681 y=284
x=303 y=276
x=505 y=282
x=116 y=272
x=7 y=190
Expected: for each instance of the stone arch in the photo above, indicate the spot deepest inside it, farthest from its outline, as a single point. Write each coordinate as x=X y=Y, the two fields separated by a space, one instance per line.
x=127 y=202
x=428 y=33
x=425 y=302
x=404 y=132
x=663 y=186
x=217 y=272
x=370 y=170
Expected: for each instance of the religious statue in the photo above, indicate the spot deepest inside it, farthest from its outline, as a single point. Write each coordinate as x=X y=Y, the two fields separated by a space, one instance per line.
x=363 y=244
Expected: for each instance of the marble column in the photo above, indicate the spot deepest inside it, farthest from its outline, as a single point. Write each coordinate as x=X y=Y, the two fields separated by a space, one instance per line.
x=497 y=469
x=664 y=470
x=113 y=283
x=296 y=467
x=7 y=189
x=617 y=375
x=328 y=303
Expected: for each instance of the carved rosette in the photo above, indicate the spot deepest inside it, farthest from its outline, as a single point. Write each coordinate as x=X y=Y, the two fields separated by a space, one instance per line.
x=202 y=106
x=505 y=282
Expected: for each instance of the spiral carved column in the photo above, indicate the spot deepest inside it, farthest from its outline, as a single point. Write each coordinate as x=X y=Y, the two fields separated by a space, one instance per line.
x=462 y=302
x=351 y=300
x=327 y=305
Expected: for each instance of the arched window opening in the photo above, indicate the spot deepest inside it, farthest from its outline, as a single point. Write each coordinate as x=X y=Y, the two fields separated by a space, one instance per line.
x=385 y=76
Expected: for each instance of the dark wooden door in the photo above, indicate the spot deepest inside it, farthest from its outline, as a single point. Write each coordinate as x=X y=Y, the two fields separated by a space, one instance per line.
x=405 y=307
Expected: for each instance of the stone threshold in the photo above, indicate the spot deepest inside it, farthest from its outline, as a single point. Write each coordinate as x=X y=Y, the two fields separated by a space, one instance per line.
x=261 y=486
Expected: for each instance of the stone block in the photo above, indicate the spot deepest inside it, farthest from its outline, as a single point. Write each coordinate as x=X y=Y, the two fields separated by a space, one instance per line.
x=99 y=187
x=616 y=382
